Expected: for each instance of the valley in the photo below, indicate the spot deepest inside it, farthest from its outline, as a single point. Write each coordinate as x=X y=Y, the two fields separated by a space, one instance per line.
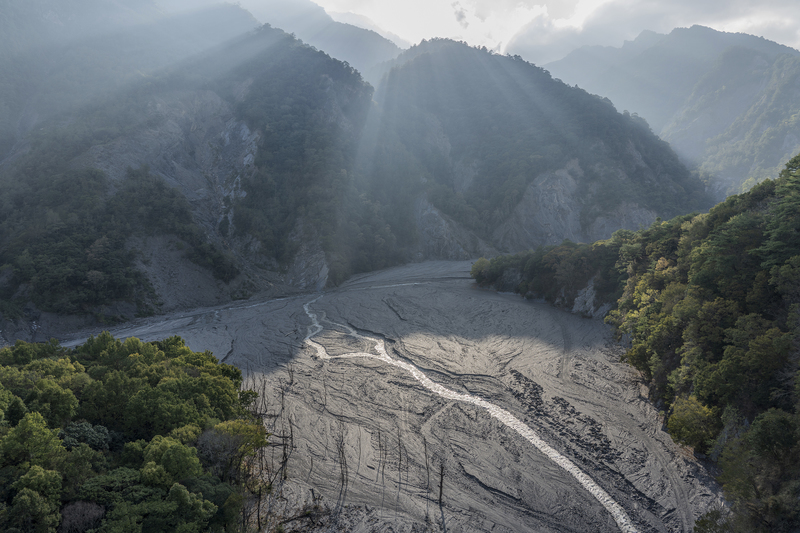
x=410 y=379
x=250 y=176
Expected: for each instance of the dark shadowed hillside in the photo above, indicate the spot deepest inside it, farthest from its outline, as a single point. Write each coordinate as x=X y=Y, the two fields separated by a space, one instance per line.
x=516 y=156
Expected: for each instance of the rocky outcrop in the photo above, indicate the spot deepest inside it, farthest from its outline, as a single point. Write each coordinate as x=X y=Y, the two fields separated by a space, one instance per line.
x=194 y=142
x=625 y=216
x=309 y=270
x=442 y=238
x=586 y=303
x=547 y=214
x=181 y=284
x=550 y=212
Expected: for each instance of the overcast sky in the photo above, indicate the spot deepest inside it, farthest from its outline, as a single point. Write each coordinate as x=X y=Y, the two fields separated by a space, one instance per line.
x=546 y=30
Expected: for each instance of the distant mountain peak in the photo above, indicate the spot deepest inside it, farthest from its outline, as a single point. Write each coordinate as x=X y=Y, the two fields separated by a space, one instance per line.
x=721 y=99
x=363 y=49
x=367 y=23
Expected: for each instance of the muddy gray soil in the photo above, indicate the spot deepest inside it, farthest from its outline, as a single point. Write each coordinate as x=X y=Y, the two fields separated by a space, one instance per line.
x=375 y=443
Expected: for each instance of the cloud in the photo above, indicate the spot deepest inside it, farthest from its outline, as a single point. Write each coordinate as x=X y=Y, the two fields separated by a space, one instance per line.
x=484 y=9
x=461 y=15
x=546 y=30
x=563 y=9
x=548 y=38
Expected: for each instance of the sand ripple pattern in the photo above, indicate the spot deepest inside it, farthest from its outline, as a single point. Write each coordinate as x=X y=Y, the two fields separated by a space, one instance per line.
x=616 y=510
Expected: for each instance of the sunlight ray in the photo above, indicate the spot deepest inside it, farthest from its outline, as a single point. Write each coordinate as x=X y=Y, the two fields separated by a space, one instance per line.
x=620 y=516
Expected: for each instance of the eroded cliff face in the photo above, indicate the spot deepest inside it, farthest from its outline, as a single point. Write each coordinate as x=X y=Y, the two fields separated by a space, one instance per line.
x=310 y=268
x=440 y=237
x=626 y=216
x=194 y=141
x=547 y=214
x=586 y=303
x=551 y=211
x=197 y=144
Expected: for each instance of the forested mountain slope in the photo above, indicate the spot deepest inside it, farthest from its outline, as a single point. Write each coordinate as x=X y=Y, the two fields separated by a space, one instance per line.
x=516 y=156
x=57 y=56
x=710 y=306
x=68 y=193
x=724 y=101
x=126 y=436
x=262 y=161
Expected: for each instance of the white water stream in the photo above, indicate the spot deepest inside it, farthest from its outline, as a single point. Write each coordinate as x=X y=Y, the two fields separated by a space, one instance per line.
x=616 y=510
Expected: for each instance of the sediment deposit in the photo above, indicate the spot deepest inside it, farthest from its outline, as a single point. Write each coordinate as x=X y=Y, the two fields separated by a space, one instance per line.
x=416 y=401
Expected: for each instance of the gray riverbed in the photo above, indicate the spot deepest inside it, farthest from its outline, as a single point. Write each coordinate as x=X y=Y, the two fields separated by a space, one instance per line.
x=375 y=444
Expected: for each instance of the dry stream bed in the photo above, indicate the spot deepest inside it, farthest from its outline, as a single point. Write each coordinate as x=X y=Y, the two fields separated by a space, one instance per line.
x=411 y=383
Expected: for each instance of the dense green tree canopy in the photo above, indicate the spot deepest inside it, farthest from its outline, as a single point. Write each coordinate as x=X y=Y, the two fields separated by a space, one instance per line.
x=105 y=435
x=711 y=305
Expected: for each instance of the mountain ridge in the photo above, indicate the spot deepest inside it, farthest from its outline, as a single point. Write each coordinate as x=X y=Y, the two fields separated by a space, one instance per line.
x=296 y=175
x=702 y=91
x=362 y=48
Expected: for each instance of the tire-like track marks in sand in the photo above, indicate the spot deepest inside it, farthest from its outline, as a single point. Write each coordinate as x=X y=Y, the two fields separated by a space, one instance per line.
x=563 y=371
x=617 y=512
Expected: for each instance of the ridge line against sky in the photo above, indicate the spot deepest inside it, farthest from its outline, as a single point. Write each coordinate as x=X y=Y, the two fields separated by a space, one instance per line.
x=546 y=30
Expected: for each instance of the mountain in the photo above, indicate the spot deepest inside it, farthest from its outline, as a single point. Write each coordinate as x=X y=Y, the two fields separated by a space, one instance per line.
x=262 y=164
x=133 y=197
x=741 y=120
x=364 y=49
x=517 y=157
x=367 y=24
x=719 y=98
x=58 y=56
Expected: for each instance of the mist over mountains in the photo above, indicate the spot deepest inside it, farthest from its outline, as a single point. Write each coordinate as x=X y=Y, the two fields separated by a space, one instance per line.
x=364 y=49
x=723 y=101
x=58 y=56
x=163 y=159
x=294 y=168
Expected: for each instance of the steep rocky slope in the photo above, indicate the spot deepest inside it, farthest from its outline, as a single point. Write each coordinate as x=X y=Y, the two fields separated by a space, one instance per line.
x=189 y=127
x=515 y=156
x=275 y=168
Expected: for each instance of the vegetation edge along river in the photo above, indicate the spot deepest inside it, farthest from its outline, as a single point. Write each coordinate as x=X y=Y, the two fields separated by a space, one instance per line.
x=710 y=306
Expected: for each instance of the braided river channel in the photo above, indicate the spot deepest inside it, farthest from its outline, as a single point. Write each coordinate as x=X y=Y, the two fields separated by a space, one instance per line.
x=412 y=400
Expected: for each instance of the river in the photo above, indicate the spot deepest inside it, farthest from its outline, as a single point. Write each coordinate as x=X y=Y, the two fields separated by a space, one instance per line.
x=417 y=401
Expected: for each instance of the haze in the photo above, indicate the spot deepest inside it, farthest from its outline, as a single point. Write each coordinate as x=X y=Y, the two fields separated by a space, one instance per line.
x=543 y=31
